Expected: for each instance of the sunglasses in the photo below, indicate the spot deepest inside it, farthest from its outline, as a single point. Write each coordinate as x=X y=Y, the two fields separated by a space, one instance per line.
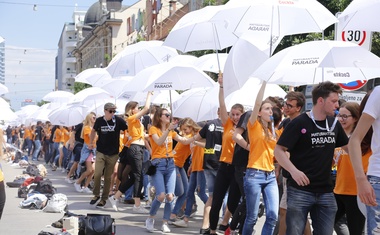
x=343 y=116
x=289 y=106
x=166 y=114
x=111 y=111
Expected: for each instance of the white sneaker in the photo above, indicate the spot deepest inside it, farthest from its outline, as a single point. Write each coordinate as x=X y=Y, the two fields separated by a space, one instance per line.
x=86 y=190
x=165 y=228
x=63 y=170
x=181 y=223
x=149 y=224
x=140 y=210
x=70 y=181
x=113 y=202
x=78 y=188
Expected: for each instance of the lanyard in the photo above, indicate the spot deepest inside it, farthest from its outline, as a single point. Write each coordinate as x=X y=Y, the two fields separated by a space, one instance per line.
x=327 y=124
x=111 y=128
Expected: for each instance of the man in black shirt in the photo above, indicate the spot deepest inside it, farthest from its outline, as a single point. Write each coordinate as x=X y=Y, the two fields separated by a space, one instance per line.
x=311 y=139
x=108 y=128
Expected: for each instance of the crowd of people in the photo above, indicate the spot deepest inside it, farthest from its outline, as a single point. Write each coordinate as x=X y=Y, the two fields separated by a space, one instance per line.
x=299 y=168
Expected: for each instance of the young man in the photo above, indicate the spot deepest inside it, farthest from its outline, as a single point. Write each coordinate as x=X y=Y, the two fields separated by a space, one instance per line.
x=311 y=139
x=108 y=128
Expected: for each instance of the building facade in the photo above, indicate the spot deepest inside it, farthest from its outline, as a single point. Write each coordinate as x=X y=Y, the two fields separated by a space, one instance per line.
x=2 y=60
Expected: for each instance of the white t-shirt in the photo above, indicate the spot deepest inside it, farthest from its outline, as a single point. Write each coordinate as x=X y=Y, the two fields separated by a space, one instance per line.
x=372 y=109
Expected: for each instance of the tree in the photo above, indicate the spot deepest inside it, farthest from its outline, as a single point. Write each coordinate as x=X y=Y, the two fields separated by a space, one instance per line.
x=78 y=86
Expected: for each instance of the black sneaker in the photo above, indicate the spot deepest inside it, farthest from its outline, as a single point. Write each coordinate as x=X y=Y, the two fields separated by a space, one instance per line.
x=101 y=204
x=94 y=200
x=204 y=231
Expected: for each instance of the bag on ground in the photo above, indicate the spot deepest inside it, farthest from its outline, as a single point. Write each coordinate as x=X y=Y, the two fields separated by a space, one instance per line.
x=56 y=204
x=99 y=224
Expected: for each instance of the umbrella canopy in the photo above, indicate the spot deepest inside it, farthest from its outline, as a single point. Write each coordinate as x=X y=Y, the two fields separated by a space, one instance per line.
x=90 y=94
x=114 y=86
x=92 y=75
x=139 y=56
x=169 y=76
x=69 y=115
x=361 y=15
x=210 y=63
x=194 y=32
x=3 y=89
x=270 y=19
x=58 y=96
x=159 y=97
x=7 y=114
x=318 y=61
x=202 y=104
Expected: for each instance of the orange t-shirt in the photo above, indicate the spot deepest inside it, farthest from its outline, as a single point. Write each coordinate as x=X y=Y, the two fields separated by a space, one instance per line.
x=86 y=135
x=261 y=149
x=166 y=149
x=345 y=178
x=197 y=154
x=181 y=153
x=65 y=136
x=27 y=133
x=135 y=129
x=228 y=144
x=57 y=135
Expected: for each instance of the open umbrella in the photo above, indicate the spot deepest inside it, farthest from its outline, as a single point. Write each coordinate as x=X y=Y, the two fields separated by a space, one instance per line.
x=139 y=56
x=318 y=61
x=90 y=94
x=58 y=96
x=361 y=15
x=210 y=63
x=92 y=75
x=68 y=115
x=3 y=89
x=202 y=104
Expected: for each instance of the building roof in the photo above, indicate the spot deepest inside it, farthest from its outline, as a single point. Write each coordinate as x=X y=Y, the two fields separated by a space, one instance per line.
x=94 y=14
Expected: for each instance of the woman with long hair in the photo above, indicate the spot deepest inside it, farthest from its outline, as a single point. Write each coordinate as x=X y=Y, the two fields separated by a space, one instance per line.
x=87 y=155
x=161 y=136
x=345 y=186
x=197 y=176
x=260 y=176
x=134 y=155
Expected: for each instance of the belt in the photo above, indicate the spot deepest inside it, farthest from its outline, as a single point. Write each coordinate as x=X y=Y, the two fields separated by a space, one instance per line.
x=209 y=151
x=258 y=170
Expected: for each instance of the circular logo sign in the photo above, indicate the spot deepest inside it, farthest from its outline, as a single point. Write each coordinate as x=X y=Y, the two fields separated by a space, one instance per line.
x=354 y=36
x=352 y=86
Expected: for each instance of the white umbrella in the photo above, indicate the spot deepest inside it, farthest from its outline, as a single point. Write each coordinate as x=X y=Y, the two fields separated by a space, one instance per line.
x=318 y=61
x=3 y=89
x=7 y=114
x=202 y=104
x=114 y=86
x=139 y=56
x=70 y=115
x=58 y=96
x=3 y=103
x=270 y=19
x=92 y=75
x=245 y=57
x=195 y=31
x=361 y=15
x=159 y=97
x=209 y=62
x=90 y=94
x=169 y=76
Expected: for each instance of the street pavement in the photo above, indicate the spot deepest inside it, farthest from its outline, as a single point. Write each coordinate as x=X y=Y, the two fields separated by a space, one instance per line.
x=17 y=221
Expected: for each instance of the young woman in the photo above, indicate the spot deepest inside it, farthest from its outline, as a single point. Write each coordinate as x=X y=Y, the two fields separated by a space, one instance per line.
x=87 y=155
x=197 y=177
x=260 y=177
x=135 y=153
x=161 y=136
x=345 y=186
x=225 y=176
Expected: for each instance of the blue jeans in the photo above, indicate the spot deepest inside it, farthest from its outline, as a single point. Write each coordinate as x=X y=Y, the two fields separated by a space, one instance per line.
x=29 y=145
x=210 y=180
x=257 y=182
x=197 y=180
x=164 y=182
x=37 y=149
x=322 y=208
x=181 y=187
x=373 y=212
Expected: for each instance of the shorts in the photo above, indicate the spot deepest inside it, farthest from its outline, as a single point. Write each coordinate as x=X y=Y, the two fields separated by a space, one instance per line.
x=284 y=197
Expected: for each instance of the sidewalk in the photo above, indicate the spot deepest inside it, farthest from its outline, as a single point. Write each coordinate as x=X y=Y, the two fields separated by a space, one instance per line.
x=17 y=221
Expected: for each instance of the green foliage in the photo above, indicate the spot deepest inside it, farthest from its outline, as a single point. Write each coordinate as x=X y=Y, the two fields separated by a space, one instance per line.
x=78 y=86
x=42 y=102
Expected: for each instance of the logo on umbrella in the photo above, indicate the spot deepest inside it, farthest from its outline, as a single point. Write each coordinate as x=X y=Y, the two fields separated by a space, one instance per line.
x=258 y=27
x=163 y=85
x=304 y=61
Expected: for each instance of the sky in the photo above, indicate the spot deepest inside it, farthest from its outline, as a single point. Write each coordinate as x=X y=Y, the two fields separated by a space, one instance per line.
x=31 y=43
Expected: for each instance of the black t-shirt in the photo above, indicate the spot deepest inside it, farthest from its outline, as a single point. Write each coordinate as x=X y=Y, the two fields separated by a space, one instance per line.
x=9 y=132
x=109 y=134
x=51 y=139
x=78 y=130
x=22 y=131
x=38 y=133
x=212 y=132
x=240 y=154
x=311 y=150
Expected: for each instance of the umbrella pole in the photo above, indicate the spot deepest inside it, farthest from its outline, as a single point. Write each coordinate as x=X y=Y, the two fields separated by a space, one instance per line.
x=216 y=50
x=171 y=105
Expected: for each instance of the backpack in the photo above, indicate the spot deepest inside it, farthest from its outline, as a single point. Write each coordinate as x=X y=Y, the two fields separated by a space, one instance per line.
x=45 y=187
x=56 y=204
x=32 y=170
